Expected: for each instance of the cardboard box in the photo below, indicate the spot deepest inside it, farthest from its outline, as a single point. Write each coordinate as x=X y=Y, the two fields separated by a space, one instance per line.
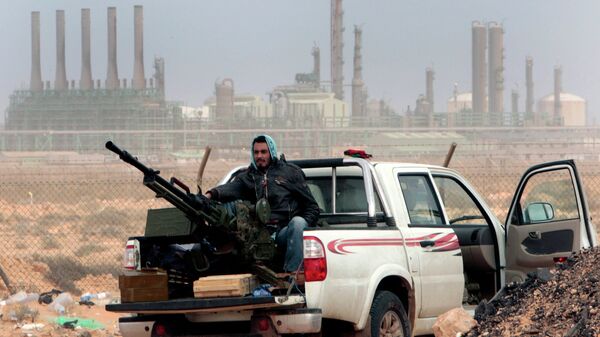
x=225 y=285
x=143 y=286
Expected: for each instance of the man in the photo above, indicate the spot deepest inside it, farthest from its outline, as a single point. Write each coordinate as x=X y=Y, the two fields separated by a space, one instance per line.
x=283 y=185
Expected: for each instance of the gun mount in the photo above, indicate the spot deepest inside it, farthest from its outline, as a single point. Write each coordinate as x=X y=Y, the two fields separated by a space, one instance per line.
x=196 y=207
x=238 y=232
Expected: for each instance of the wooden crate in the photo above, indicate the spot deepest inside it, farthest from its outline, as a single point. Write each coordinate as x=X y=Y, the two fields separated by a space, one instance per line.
x=143 y=286
x=225 y=285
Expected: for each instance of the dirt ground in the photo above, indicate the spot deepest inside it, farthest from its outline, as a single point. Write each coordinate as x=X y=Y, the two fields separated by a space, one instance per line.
x=21 y=320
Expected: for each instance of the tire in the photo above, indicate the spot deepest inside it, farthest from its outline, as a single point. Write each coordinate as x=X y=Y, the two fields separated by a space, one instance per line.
x=388 y=317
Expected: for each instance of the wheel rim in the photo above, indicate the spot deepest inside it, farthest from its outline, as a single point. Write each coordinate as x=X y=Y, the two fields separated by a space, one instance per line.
x=391 y=325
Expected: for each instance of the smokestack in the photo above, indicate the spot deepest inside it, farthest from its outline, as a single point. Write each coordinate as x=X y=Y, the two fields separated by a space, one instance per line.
x=159 y=75
x=429 y=77
x=112 y=77
x=139 y=81
x=36 y=68
x=479 y=40
x=357 y=81
x=529 y=87
x=557 y=91
x=316 y=53
x=515 y=101
x=337 y=46
x=85 y=82
x=60 y=81
x=496 y=68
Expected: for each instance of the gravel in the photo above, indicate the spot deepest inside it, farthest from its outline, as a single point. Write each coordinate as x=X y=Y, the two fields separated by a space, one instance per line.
x=561 y=302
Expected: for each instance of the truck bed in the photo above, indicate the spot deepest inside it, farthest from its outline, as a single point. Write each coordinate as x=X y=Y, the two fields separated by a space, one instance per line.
x=188 y=305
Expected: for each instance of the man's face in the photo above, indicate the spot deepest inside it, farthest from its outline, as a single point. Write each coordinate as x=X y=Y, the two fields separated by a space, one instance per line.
x=262 y=157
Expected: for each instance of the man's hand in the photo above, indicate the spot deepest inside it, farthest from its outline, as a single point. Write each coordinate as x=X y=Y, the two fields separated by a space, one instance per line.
x=208 y=195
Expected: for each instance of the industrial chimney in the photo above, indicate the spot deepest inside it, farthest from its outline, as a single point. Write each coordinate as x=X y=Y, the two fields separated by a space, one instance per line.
x=112 y=77
x=478 y=66
x=139 y=81
x=529 y=87
x=85 y=82
x=429 y=77
x=316 y=53
x=337 y=47
x=159 y=75
x=496 y=68
x=60 y=81
x=515 y=101
x=36 y=68
x=358 y=108
x=557 y=91
x=224 y=92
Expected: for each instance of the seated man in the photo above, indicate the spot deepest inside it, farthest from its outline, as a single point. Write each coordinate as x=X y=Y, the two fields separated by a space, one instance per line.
x=284 y=186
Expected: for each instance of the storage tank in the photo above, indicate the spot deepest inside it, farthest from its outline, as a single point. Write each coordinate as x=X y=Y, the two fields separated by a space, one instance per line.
x=462 y=102
x=224 y=93
x=573 y=109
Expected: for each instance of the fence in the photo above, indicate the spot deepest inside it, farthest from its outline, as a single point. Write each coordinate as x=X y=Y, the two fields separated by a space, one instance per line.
x=65 y=227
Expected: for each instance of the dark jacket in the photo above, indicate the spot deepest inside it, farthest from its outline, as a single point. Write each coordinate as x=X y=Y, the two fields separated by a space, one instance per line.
x=285 y=189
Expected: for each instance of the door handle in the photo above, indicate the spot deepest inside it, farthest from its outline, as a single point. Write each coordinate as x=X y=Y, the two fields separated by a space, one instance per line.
x=427 y=243
x=535 y=235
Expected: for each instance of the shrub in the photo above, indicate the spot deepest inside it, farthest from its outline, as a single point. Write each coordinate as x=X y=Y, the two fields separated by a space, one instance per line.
x=49 y=242
x=88 y=249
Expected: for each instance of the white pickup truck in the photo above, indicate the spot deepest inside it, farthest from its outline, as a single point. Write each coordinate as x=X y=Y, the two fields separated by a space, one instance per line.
x=404 y=244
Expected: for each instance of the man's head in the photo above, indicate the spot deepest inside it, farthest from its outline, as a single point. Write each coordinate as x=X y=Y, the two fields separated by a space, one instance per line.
x=264 y=152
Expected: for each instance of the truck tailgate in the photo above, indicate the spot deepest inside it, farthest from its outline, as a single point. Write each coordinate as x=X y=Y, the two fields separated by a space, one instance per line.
x=187 y=305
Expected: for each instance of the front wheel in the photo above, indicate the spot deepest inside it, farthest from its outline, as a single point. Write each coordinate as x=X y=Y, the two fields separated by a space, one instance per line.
x=388 y=317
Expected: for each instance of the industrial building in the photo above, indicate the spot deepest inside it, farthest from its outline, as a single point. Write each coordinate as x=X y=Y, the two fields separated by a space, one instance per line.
x=310 y=113
x=117 y=104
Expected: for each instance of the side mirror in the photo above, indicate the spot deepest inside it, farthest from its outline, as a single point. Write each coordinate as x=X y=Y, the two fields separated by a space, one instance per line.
x=538 y=212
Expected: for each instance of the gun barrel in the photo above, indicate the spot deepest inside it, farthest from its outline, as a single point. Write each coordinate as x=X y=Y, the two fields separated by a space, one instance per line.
x=164 y=189
x=129 y=159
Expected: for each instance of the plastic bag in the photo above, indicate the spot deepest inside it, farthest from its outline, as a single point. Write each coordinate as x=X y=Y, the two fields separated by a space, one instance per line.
x=62 y=303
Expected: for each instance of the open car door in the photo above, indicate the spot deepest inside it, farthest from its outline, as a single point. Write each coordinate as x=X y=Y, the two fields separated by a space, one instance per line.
x=548 y=219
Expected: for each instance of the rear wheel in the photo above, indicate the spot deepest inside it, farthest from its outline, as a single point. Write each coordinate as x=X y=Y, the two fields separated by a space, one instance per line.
x=388 y=317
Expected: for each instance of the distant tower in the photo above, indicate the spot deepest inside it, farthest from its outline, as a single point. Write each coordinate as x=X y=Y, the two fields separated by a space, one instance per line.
x=159 y=75
x=479 y=41
x=139 y=80
x=112 y=76
x=557 y=91
x=316 y=53
x=224 y=93
x=85 y=81
x=529 y=87
x=337 y=46
x=429 y=77
x=36 y=69
x=358 y=106
x=60 y=81
x=515 y=101
x=496 y=68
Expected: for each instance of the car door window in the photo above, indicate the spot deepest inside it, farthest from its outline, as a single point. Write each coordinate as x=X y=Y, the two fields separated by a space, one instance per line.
x=421 y=203
x=548 y=196
x=461 y=208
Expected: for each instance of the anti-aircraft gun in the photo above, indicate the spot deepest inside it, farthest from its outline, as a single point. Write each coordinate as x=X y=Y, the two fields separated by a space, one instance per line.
x=214 y=238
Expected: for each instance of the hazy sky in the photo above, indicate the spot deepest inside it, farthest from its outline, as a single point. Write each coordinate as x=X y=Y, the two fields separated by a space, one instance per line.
x=263 y=43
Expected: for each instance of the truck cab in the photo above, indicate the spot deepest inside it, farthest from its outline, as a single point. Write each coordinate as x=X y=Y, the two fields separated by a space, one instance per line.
x=435 y=243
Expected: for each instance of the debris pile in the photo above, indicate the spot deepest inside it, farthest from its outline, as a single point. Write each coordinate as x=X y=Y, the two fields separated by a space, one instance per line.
x=561 y=302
